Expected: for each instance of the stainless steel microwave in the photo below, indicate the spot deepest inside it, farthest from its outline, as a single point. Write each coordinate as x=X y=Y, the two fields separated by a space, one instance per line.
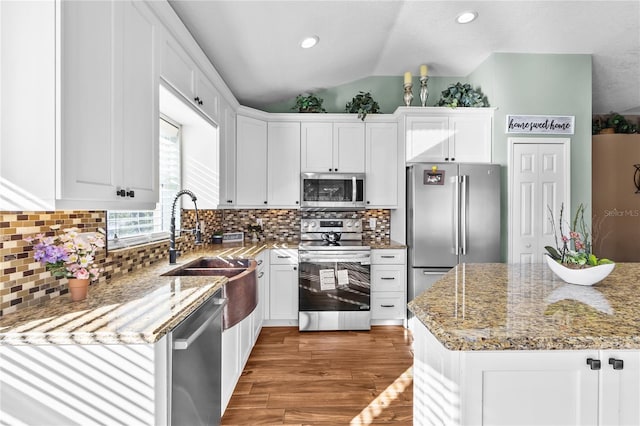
x=332 y=191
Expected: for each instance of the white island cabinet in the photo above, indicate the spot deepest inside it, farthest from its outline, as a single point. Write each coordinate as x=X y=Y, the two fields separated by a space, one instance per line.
x=502 y=344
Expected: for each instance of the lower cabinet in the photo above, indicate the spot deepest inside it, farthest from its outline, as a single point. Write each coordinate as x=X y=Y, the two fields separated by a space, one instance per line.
x=388 y=286
x=283 y=287
x=563 y=387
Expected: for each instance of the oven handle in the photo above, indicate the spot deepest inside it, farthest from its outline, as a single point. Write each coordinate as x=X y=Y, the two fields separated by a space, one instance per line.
x=335 y=256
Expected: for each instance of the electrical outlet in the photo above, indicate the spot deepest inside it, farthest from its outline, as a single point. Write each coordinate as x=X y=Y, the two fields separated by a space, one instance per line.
x=259 y=222
x=372 y=223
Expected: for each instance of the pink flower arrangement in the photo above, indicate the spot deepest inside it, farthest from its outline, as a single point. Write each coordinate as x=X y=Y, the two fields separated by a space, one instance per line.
x=69 y=254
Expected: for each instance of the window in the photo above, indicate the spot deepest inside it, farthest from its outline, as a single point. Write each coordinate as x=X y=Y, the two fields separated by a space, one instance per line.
x=125 y=228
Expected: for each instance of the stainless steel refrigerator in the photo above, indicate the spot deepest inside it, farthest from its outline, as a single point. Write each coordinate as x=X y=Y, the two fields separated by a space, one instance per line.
x=453 y=216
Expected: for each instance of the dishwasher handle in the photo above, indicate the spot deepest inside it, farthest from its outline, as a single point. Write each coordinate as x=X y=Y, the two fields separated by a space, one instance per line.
x=183 y=344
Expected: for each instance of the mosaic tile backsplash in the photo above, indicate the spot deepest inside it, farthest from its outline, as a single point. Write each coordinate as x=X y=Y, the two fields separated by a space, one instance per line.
x=24 y=282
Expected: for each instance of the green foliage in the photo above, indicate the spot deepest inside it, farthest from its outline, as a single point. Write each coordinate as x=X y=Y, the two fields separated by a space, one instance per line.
x=615 y=121
x=462 y=95
x=363 y=104
x=309 y=103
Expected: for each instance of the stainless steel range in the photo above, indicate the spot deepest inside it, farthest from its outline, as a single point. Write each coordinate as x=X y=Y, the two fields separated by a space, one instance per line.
x=334 y=274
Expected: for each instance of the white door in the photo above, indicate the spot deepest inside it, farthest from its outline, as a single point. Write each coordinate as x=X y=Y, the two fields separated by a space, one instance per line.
x=538 y=182
x=283 y=165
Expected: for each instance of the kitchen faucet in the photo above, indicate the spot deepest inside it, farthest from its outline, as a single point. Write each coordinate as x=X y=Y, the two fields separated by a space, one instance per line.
x=173 y=253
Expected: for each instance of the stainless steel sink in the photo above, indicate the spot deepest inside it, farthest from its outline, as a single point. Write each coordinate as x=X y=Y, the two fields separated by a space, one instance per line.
x=241 y=291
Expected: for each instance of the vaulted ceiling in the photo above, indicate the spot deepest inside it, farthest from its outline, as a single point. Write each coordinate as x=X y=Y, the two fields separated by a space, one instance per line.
x=254 y=45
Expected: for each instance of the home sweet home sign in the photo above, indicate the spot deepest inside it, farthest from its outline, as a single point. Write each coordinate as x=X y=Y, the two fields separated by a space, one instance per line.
x=541 y=124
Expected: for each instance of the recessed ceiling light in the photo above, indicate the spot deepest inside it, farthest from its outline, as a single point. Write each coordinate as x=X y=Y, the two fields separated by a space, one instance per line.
x=309 y=42
x=466 y=17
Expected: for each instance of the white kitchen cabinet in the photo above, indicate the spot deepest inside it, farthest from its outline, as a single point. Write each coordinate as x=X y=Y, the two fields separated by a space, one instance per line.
x=332 y=147
x=231 y=365
x=97 y=110
x=262 y=310
x=448 y=135
x=283 y=164
x=181 y=72
x=251 y=162
x=227 y=156
x=283 y=287
x=382 y=165
x=388 y=286
x=523 y=387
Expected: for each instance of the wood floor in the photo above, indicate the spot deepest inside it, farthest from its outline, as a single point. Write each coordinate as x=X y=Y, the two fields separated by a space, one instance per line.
x=326 y=378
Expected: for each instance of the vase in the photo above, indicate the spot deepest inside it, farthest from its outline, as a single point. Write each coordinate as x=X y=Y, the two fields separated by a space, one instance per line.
x=78 y=289
x=585 y=276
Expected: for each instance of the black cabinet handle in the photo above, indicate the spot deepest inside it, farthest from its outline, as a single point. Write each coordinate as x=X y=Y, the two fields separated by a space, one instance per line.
x=387 y=278
x=265 y=202
x=196 y=99
x=229 y=201
x=387 y=256
x=446 y=158
x=297 y=202
x=121 y=193
x=330 y=170
x=131 y=194
x=368 y=202
x=335 y=170
x=259 y=262
x=387 y=306
x=617 y=364
x=295 y=268
x=593 y=363
x=261 y=274
x=453 y=159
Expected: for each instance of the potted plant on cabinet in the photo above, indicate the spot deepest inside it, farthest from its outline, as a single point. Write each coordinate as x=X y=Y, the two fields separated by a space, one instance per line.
x=462 y=95
x=309 y=103
x=362 y=104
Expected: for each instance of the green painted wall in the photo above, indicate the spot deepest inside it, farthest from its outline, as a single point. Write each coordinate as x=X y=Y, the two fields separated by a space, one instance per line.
x=540 y=84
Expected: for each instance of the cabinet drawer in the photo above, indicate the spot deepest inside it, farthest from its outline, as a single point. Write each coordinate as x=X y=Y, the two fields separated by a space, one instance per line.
x=387 y=305
x=283 y=256
x=388 y=256
x=388 y=278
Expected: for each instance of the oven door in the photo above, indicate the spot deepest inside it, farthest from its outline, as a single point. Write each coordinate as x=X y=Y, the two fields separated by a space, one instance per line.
x=332 y=191
x=334 y=290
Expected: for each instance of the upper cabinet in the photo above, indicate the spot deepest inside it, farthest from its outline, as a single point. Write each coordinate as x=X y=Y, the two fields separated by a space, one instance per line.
x=227 y=176
x=251 y=162
x=181 y=72
x=283 y=165
x=382 y=166
x=97 y=103
x=332 y=147
x=448 y=135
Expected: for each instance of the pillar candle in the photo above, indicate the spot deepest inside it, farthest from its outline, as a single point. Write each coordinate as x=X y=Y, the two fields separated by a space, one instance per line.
x=407 y=77
x=423 y=70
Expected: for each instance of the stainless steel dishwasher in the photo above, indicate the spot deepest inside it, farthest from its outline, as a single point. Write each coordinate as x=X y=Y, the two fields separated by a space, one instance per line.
x=195 y=366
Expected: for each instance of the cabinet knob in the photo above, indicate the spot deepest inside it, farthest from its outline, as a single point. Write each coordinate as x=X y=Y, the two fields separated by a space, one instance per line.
x=453 y=159
x=446 y=159
x=265 y=202
x=196 y=99
x=131 y=194
x=594 y=364
x=335 y=170
x=368 y=202
x=617 y=364
x=330 y=170
x=121 y=193
x=297 y=202
x=295 y=268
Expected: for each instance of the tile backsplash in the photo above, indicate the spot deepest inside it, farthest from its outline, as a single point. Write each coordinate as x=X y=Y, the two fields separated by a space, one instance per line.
x=24 y=282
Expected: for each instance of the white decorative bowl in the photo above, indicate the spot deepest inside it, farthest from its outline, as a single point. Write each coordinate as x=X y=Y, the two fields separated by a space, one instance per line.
x=584 y=276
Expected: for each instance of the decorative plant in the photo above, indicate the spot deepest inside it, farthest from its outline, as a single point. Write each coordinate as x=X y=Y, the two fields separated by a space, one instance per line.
x=363 y=104
x=462 y=95
x=575 y=250
x=69 y=254
x=614 y=121
x=309 y=103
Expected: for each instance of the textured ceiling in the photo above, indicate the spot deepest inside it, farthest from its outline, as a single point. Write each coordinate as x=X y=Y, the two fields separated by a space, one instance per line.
x=254 y=45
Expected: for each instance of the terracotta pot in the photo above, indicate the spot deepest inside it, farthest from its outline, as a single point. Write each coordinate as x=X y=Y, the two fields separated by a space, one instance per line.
x=607 y=131
x=78 y=289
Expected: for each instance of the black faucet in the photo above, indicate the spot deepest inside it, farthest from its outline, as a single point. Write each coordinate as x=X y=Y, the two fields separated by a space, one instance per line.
x=173 y=253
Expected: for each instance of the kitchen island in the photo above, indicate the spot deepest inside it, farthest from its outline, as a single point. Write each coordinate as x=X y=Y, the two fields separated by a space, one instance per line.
x=513 y=344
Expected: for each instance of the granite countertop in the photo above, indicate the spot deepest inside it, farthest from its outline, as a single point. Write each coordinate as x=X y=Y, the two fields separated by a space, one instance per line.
x=139 y=307
x=526 y=307
x=386 y=245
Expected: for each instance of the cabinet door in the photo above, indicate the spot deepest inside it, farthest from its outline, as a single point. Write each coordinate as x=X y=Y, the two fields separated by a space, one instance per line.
x=348 y=147
x=177 y=68
x=283 y=292
x=91 y=170
x=531 y=387
x=207 y=97
x=382 y=165
x=283 y=165
x=251 y=173
x=316 y=150
x=139 y=103
x=620 y=389
x=427 y=139
x=470 y=139
x=228 y=157
x=230 y=362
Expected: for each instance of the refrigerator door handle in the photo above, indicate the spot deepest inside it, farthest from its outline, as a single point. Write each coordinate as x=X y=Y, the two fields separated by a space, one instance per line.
x=456 y=216
x=463 y=215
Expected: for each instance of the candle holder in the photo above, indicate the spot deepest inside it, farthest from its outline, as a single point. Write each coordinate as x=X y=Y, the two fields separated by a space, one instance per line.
x=408 y=95
x=424 y=92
